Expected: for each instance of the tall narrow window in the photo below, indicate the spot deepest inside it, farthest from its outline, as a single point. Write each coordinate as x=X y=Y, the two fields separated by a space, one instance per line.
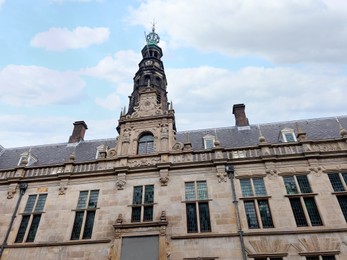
x=146 y=144
x=142 y=207
x=85 y=215
x=302 y=201
x=320 y=257
x=338 y=182
x=31 y=217
x=256 y=203
x=197 y=210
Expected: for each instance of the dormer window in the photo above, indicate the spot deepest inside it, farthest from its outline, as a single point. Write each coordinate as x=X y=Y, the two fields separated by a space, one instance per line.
x=101 y=151
x=209 y=141
x=287 y=135
x=27 y=159
x=146 y=144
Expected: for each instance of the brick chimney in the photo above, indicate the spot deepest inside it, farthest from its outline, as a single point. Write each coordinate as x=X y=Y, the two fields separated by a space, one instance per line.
x=78 y=132
x=240 y=115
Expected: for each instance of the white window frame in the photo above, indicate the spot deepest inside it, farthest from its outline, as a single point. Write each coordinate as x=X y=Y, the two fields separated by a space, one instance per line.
x=285 y=132
x=208 y=138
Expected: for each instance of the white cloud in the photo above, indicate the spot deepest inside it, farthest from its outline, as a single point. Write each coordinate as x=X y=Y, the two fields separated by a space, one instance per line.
x=61 y=39
x=115 y=68
x=286 y=31
x=38 y=86
x=270 y=94
x=111 y=102
x=2 y=2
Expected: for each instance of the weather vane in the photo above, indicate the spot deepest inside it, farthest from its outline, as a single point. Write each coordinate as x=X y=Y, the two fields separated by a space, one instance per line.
x=153 y=37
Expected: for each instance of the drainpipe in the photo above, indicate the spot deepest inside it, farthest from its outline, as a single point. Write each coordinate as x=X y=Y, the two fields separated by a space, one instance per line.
x=22 y=188
x=229 y=168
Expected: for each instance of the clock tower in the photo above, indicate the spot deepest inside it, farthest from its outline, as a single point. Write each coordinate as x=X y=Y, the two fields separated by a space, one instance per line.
x=148 y=126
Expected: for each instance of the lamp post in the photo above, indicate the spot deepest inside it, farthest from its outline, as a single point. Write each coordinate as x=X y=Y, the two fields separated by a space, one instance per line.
x=229 y=168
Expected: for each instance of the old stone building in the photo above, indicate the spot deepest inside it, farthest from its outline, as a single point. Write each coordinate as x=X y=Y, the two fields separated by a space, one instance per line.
x=271 y=191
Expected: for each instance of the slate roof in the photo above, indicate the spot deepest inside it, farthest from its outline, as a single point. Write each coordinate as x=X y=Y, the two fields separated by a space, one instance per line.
x=229 y=137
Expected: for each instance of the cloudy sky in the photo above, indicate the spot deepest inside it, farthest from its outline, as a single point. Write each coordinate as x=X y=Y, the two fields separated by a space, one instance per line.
x=67 y=60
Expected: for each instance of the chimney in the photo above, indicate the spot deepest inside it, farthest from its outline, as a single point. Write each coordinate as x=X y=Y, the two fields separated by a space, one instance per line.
x=78 y=132
x=240 y=115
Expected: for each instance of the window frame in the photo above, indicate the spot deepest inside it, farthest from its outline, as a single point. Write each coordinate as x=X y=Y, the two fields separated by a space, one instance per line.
x=87 y=212
x=341 y=192
x=208 y=138
x=288 y=131
x=305 y=214
x=148 y=149
x=30 y=215
x=252 y=195
x=143 y=205
x=196 y=203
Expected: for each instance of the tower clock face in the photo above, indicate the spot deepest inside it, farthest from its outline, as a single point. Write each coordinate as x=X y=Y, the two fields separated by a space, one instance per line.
x=149 y=62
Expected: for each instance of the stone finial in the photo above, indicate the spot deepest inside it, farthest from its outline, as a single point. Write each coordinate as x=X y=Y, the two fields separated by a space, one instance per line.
x=301 y=136
x=72 y=156
x=343 y=131
x=261 y=139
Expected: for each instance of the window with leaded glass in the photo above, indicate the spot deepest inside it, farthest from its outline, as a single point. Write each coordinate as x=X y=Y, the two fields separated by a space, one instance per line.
x=321 y=257
x=197 y=208
x=143 y=202
x=302 y=201
x=146 y=144
x=268 y=258
x=256 y=203
x=85 y=215
x=338 y=182
x=31 y=218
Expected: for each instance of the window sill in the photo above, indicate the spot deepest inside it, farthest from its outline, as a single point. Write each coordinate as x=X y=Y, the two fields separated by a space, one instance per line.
x=300 y=195
x=193 y=201
x=255 y=197
x=337 y=193
x=85 y=209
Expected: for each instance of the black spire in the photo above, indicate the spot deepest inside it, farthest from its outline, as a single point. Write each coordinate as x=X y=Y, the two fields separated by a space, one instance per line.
x=150 y=73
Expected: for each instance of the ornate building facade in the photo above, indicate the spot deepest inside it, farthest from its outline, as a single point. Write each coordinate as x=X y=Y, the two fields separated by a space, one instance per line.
x=272 y=191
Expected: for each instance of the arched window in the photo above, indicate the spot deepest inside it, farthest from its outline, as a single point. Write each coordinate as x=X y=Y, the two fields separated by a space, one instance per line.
x=146 y=142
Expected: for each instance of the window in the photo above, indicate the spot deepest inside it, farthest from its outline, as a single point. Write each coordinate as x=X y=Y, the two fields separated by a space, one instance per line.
x=287 y=135
x=256 y=207
x=85 y=215
x=146 y=144
x=325 y=257
x=209 y=141
x=268 y=258
x=31 y=217
x=302 y=201
x=338 y=182
x=197 y=210
x=142 y=207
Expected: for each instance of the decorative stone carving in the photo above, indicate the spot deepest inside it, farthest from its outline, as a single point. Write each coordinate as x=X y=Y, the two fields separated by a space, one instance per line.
x=178 y=146
x=119 y=220
x=268 y=246
x=117 y=233
x=144 y=162
x=63 y=187
x=164 y=177
x=325 y=147
x=121 y=181
x=163 y=216
x=11 y=190
x=221 y=174
x=273 y=173
x=147 y=104
x=112 y=153
x=316 y=171
x=315 y=244
x=162 y=231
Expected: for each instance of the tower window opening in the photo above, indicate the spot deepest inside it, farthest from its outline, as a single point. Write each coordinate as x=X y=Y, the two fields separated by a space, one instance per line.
x=146 y=144
x=158 y=98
